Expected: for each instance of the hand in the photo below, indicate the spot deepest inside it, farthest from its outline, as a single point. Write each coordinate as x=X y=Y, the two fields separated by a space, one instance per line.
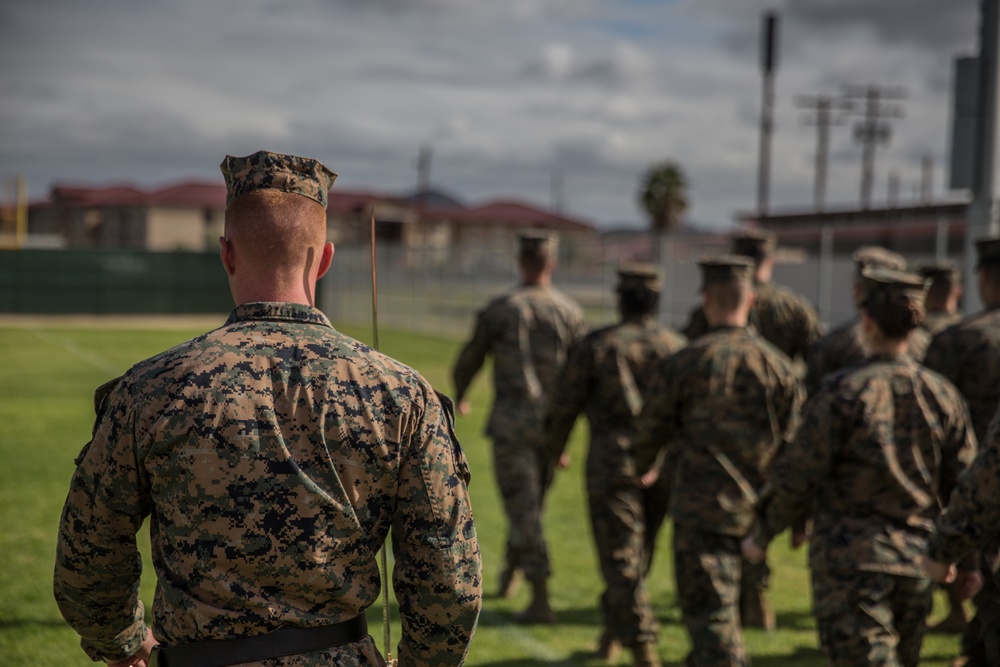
x=141 y=657
x=752 y=551
x=799 y=537
x=968 y=584
x=564 y=461
x=648 y=478
x=943 y=573
x=464 y=407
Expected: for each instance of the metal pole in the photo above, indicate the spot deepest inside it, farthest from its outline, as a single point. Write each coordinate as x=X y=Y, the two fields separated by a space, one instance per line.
x=768 y=66
x=981 y=220
x=825 y=272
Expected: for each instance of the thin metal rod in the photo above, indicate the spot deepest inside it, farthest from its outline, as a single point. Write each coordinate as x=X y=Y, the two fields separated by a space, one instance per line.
x=383 y=558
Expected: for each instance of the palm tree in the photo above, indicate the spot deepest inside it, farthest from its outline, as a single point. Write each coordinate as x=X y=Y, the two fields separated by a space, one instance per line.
x=663 y=197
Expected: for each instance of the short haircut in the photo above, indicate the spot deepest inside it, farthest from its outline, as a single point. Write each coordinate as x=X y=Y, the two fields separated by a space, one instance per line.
x=638 y=301
x=275 y=229
x=729 y=295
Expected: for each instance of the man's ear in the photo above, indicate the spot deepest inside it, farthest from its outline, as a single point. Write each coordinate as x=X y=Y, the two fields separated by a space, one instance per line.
x=227 y=255
x=325 y=260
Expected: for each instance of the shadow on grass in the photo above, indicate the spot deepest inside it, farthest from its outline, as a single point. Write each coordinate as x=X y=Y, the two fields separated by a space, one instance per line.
x=22 y=623
x=800 y=656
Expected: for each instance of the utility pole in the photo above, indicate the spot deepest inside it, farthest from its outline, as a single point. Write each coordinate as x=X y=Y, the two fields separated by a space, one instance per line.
x=873 y=129
x=826 y=112
x=982 y=210
x=768 y=65
x=423 y=174
x=926 y=180
x=556 y=191
x=892 y=190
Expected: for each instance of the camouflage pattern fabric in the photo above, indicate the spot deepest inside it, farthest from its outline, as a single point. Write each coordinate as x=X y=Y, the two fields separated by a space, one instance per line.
x=529 y=332
x=708 y=566
x=786 y=319
x=271 y=456
x=288 y=173
x=842 y=348
x=522 y=471
x=970 y=523
x=937 y=322
x=718 y=410
x=968 y=354
x=879 y=619
x=606 y=377
x=878 y=450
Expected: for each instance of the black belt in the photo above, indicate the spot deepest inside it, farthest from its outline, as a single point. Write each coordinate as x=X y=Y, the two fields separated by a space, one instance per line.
x=281 y=642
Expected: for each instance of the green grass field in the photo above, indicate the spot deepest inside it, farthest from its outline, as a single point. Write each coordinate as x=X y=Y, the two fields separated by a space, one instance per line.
x=48 y=372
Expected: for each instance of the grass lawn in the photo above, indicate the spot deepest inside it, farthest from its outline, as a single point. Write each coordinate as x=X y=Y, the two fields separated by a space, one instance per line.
x=47 y=376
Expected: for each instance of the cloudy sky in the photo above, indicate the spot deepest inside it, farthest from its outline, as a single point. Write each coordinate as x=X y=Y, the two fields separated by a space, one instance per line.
x=505 y=92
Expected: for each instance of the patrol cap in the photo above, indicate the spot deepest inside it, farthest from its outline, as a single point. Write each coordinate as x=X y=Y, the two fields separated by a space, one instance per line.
x=754 y=243
x=288 y=173
x=876 y=256
x=537 y=243
x=724 y=269
x=636 y=275
x=885 y=287
x=941 y=273
x=988 y=250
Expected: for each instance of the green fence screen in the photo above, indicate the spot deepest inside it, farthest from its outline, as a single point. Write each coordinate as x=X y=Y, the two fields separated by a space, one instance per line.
x=112 y=282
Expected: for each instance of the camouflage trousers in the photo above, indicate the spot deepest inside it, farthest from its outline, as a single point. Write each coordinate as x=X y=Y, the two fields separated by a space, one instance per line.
x=981 y=641
x=655 y=508
x=708 y=570
x=619 y=534
x=520 y=473
x=871 y=618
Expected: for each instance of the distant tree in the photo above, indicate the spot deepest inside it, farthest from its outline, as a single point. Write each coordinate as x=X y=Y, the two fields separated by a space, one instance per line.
x=663 y=197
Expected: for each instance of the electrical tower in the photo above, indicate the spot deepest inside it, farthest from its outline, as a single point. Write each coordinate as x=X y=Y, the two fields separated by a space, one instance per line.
x=873 y=128
x=825 y=111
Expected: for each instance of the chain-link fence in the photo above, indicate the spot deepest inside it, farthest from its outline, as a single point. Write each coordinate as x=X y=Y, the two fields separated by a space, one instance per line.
x=419 y=290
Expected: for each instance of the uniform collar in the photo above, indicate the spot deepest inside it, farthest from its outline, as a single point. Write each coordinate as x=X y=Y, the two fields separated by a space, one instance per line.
x=288 y=312
x=904 y=358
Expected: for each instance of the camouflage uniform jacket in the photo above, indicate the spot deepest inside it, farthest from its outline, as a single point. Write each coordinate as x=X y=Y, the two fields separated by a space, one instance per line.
x=937 y=322
x=529 y=332
x=271 y=456
x=968 y=354
x=786 y=319
x=720 y=407
x=879 y=449
x=972 y=518
x=842 y=348
x=607 y=375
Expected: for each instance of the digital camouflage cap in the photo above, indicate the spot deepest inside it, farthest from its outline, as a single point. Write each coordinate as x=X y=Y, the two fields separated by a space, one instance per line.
x=894 y=298
x=941 y=273
x=877 y=257
x=754 y=243
x=725 y=269
x=538 y=243
x=288 y=173
x=638 y=275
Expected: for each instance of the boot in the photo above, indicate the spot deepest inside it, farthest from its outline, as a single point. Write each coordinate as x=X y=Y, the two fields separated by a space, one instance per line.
x=755 y=612
x=645 y=655
x=510 y=582
x=607 y=647
x=539 y=610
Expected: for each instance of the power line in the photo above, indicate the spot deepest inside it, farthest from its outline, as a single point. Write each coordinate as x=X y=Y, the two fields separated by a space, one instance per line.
x=826 y=111
x=873 y=128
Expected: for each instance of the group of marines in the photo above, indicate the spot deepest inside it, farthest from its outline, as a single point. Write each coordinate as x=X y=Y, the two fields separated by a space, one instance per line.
x=749 y=423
